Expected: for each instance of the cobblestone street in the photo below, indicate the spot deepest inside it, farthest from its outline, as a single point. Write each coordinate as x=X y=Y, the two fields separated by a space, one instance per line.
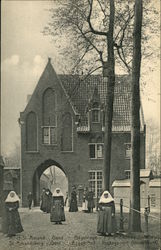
x=77 y=232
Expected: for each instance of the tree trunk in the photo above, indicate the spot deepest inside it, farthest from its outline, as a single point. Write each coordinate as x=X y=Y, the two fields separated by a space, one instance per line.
x=135 y=120
x=109 y=99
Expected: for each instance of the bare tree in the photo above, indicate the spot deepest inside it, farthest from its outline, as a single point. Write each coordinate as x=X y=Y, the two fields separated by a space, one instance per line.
x=91 y=25
x=98 y=33
x=85 y=25
x=135 y=120
x=109 y=98
x=50 y=175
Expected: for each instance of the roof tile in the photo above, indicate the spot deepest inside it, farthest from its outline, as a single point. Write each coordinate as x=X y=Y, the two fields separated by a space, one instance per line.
x=81 y=91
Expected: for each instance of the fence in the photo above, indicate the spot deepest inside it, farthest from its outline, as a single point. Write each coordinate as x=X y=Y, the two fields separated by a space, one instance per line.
x=146 y=214
x=147 y=201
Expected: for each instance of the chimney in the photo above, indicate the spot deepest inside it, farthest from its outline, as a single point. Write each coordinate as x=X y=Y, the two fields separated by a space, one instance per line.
x=105 y=69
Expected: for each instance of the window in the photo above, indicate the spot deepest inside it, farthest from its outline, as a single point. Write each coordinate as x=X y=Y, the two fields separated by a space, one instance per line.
x=127 y=174
x=127 y=150
x=95 y=182
x=49 y=128
x=49 y=135
x=95 y=113
x=96 y=150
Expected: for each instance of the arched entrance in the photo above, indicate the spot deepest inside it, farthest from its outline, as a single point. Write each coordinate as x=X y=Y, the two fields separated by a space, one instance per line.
x=44 y=170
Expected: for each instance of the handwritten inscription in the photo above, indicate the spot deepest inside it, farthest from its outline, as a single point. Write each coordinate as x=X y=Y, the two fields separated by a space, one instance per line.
x=74 y=241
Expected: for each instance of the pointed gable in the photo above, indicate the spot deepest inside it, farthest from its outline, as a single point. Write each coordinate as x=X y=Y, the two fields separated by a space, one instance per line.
x=79 y=91
x=48 y=79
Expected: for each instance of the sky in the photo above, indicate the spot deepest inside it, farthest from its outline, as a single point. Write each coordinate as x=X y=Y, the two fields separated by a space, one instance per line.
x=24 y=54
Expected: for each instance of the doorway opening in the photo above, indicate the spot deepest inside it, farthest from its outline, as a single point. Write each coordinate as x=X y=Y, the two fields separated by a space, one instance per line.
x=51 y=175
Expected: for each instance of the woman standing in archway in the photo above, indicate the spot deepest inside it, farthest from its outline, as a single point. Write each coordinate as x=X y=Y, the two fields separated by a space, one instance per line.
x=57 y=207
x=43 y=201
x=73 y=201
x=48 y=195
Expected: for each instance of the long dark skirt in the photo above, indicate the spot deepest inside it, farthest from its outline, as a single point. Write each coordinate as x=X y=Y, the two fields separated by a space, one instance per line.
x=73 y=206
x=4 y=221
x=14 y=223
x=43 y=204
x=106 y=223
x=57 y=210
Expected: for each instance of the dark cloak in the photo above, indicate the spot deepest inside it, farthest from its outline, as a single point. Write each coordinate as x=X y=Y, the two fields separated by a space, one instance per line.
x=57 y=209
x=48 y=198
x=106 y=223
x=90 y=199
x=43 y=202
x=13 y=221
x=73 y=202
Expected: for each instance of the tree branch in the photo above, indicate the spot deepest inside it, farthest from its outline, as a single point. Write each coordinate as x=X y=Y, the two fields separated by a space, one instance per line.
x=96 y=32
x=103 y=11
x=92 y=71
x=80 y=59
x=121 y=58
x=90 y=42
x=123 y=28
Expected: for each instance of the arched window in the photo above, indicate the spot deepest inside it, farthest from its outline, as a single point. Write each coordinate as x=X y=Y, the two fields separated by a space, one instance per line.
x=49 y=130
x=67 y=137
x=31 y=132
x=49 y=106
x=95 y=112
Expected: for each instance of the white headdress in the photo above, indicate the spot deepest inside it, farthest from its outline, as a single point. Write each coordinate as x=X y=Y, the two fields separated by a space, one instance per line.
x=55 y=194
x=106 y=200
x=12 y=197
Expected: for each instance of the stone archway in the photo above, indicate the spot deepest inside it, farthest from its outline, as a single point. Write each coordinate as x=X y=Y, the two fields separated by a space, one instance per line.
x=36 y=178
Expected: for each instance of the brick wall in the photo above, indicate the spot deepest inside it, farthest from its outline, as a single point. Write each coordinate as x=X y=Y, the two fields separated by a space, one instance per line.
x=75 y=164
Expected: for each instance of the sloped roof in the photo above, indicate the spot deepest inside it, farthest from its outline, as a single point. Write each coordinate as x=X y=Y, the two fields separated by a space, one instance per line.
x=121 y=183
x=155 y=182
x=145 y=173
x=81 y=91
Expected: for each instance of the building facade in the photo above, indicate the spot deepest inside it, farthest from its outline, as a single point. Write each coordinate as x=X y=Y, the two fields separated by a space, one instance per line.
x=150 y=189
x=63 y=125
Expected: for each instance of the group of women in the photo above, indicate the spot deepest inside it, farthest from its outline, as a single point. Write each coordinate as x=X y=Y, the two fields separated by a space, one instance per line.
x=106 y=223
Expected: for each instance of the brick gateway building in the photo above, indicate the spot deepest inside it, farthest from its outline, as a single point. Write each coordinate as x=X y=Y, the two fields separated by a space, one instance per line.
x=63 y=125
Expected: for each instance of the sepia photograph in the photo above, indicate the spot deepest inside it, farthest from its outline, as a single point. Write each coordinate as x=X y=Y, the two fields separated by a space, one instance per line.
x=80 y=125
